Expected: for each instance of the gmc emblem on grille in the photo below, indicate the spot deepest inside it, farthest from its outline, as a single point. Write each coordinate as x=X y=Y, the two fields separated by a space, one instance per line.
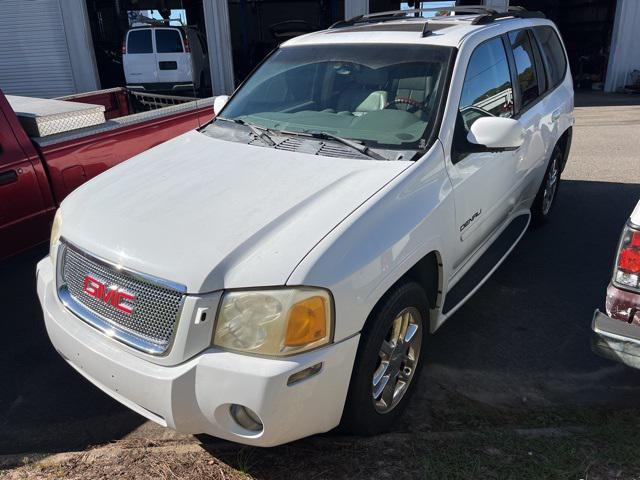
x=112 y=295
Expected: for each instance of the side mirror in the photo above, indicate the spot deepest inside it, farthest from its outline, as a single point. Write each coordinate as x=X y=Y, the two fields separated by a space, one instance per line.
x=496 y=133
x=219 y=102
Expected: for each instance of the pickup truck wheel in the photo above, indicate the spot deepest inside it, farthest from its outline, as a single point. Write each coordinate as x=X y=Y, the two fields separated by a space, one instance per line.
x=545 y=199
x=387 y=365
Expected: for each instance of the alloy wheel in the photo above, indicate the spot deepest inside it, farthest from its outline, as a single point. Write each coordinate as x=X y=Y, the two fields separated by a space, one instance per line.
x=398 y=359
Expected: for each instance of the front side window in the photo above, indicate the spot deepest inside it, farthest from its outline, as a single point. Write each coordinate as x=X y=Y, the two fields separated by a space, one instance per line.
x=139 y=41
x=553 y=54
x=525 y=66
x=487 y=90
x=168 y=41
x=384 y=96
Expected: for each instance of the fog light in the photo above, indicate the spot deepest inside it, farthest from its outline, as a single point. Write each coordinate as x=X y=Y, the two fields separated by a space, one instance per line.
x=246 y=418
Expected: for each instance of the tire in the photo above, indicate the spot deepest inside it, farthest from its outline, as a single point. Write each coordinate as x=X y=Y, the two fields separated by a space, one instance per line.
x=370 y=408
x=548 y=191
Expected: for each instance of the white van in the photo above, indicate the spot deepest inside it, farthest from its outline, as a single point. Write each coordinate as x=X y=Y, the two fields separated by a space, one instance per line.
x=166 y=58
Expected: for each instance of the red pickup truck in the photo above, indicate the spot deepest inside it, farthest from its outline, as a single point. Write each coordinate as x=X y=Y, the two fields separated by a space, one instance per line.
x=47 y=150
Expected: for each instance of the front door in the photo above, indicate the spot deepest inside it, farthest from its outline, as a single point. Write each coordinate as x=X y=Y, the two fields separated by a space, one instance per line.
x=482 y=181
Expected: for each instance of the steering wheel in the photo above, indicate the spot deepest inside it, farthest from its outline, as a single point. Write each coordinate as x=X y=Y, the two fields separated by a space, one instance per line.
x=406 y=101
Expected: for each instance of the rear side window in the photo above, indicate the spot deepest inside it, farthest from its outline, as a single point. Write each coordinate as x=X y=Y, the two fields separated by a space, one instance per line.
x=168 y=41
x=139 y=41
x=553 y=54
x=525 y=66
x=487 y=88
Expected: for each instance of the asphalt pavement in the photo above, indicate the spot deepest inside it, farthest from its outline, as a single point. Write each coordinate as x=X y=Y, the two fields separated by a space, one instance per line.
x=523 y=339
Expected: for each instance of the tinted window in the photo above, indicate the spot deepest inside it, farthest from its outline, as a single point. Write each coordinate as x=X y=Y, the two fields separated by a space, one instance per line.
x=168 y=41
x=139 y=41
x=487 y=88
x=553 y=54
x=525 y=66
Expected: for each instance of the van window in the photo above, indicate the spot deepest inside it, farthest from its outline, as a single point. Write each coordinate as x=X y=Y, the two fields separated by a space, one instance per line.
x=168 y=41
x=525 y=66
x=139 y=41
x=553 y=54
x=487 y=90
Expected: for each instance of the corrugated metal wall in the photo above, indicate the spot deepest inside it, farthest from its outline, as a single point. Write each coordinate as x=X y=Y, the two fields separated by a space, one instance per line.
x=34 y=57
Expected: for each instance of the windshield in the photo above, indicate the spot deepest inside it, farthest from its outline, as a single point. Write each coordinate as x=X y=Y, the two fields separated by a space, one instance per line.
x=385 y=96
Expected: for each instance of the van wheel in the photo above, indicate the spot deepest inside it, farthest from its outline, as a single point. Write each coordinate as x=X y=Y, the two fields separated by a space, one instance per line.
x=387 y=365
x=546 y=196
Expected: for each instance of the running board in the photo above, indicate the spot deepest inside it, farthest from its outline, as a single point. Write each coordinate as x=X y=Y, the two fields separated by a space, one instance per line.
x=486 y=264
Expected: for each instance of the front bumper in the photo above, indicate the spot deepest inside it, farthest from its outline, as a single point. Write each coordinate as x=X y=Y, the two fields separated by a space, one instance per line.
x=615 y=339
x=195 y=396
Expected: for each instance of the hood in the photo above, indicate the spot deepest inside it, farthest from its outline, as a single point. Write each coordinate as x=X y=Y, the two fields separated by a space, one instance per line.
x=211 y=214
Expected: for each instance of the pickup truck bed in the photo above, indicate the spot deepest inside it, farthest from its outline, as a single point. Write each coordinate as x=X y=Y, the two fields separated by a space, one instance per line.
x=37 y=173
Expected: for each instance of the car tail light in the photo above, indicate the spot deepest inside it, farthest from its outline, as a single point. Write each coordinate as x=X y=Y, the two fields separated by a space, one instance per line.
x=187 y=47
x=627 y=269
x=124 y=46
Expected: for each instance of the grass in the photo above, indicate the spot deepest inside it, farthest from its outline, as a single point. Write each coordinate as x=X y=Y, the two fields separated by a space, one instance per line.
x=461 y=439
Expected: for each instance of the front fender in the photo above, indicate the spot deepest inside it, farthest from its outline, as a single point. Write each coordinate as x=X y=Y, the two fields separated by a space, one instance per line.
x=379 y=242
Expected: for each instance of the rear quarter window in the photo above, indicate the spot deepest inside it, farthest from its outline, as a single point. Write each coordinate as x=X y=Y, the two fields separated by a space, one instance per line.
x=139 y=41
x=168 y=41
x=553 y=54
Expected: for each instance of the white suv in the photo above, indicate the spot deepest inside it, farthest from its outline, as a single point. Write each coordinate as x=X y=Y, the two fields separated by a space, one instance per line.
x=277 y=272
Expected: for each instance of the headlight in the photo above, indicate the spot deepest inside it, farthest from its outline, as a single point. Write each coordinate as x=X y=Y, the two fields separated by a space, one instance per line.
x=274 y=322
x=55 y=232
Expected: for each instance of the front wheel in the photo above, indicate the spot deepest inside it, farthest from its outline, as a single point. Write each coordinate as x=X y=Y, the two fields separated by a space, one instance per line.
x=388 y=363
x=545 y=199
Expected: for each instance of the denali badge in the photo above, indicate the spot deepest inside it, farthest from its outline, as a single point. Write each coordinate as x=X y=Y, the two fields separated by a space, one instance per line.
x=468 y=222
x=112 y=295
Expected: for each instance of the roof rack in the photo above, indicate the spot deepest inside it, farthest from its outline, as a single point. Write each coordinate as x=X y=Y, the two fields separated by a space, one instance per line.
x=399 y=14
x=511 y=12
x=483 y=15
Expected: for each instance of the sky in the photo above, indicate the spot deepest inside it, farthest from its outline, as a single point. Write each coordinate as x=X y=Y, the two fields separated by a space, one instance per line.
x=405 y=6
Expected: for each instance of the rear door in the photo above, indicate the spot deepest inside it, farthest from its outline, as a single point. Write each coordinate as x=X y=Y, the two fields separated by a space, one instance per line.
x=532 y=113
x=140 y=65
x=174 y=64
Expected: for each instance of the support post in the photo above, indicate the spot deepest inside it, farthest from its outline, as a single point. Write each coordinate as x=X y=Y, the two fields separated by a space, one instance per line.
x=216 y=18
x=80 y=44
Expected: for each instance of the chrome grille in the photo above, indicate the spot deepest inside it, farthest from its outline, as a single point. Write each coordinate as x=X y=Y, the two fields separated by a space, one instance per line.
x=150 y=325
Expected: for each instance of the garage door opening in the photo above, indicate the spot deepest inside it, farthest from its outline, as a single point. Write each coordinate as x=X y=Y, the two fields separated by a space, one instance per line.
x=151 y=45
x=258 y=26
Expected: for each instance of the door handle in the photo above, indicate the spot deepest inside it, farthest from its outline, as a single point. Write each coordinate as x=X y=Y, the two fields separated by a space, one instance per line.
x=555 y=115
x=10 y=176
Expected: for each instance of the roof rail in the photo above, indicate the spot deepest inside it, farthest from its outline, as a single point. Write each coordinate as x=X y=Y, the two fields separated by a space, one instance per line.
x=399 y=14
x=512 y=12
x=484 y=15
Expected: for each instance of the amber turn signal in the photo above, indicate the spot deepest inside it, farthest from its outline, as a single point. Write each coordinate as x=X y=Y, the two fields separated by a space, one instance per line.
x=307 y=322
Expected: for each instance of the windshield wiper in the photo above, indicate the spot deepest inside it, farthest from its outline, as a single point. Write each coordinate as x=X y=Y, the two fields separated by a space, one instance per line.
x=363 y=149
x=257 y=131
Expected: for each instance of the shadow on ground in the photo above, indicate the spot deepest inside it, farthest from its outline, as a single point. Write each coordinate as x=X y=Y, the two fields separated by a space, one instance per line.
x=521 y=342
x=45 y=406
